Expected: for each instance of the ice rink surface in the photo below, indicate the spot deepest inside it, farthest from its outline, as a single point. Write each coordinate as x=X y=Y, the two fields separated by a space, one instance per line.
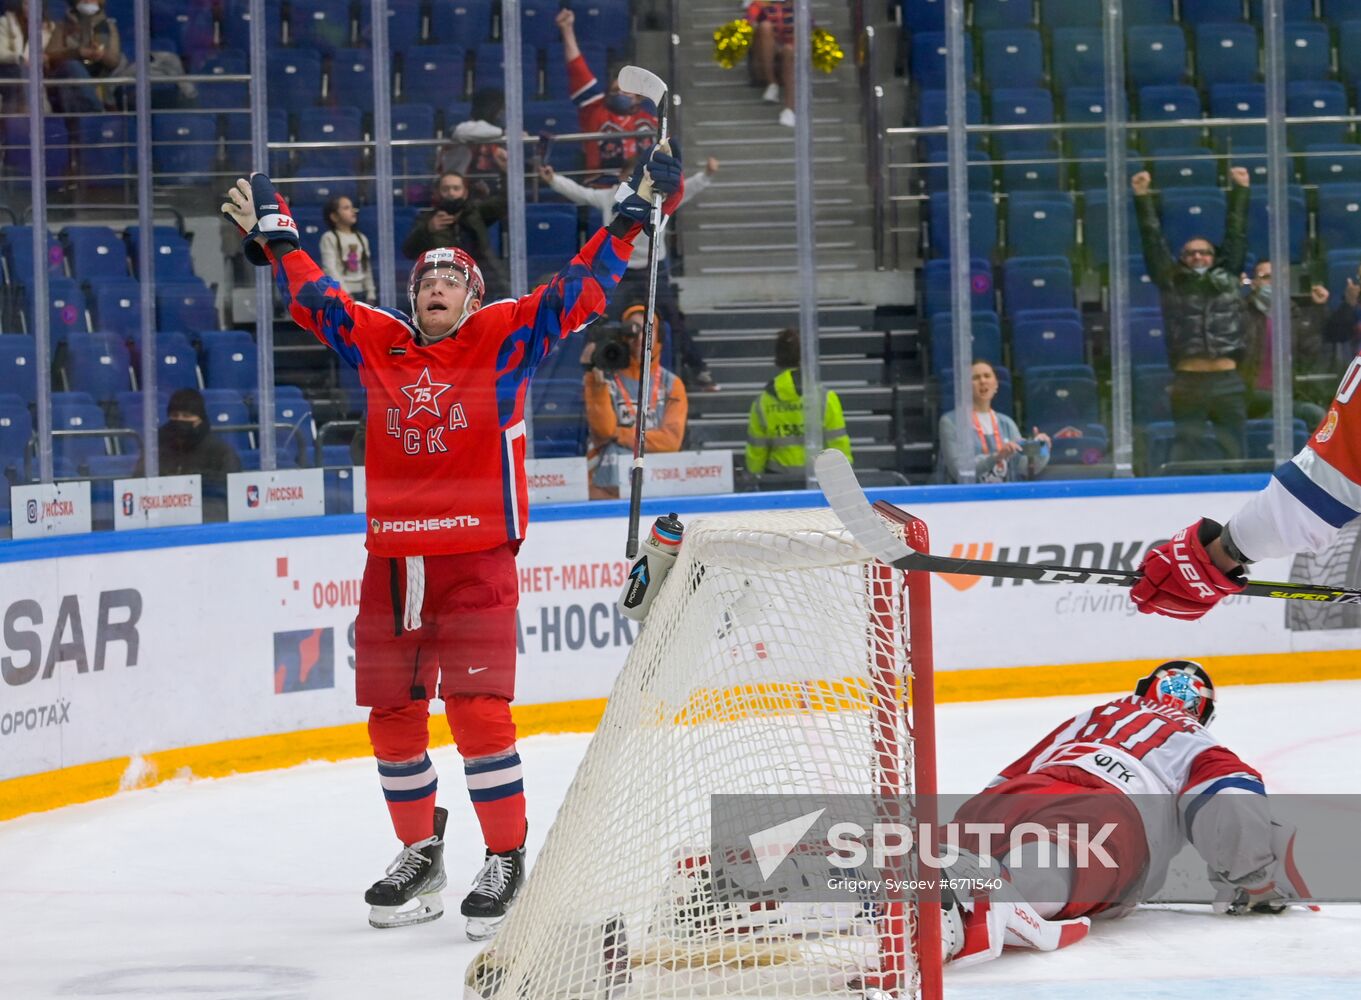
x=252 y=887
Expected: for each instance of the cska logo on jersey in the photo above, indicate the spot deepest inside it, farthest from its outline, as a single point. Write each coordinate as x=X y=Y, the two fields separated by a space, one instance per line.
x=424 y=395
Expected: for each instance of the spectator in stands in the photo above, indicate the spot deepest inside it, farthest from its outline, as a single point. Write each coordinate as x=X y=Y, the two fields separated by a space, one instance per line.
x=1203 y=318
x=457 y=220
x=633 y=285
x=345 y=253
x=476 y=147
x=612 y=411
x=599 y=110
x=89 y=37
x=772 y=53
x=775 y=425
x=1342 y=333
x=188 y=447
x=57 y=65
x=1000 y=454
x=1310 y=355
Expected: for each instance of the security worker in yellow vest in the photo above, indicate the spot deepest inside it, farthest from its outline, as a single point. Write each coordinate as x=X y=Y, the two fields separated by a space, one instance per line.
x=775 y=425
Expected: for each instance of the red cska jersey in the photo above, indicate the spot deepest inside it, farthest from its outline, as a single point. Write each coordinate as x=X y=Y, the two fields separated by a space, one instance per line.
x=589 y=97
x=445 y=444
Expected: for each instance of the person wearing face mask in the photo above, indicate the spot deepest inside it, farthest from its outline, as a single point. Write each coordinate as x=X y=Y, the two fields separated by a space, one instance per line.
x=89 y=38
x=1203 y=321
x=187 y=447
x=455 y=219
x=448 y=504
x=477 y=147
x=601 y=109
x=1309 y=354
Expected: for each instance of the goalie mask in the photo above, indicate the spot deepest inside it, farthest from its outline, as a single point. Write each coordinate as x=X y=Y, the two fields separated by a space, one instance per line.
x=450 y=264
x=1183 y=684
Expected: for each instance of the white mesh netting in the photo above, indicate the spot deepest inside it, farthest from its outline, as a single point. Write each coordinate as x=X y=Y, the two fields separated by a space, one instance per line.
x=775 y=659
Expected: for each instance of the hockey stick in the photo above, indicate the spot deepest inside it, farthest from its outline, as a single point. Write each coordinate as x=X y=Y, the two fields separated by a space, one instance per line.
x=636 y=80
x=848 y=500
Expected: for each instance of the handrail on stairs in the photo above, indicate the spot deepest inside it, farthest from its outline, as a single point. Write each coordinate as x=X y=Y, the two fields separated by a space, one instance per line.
x=673 y=64
x=872 y=100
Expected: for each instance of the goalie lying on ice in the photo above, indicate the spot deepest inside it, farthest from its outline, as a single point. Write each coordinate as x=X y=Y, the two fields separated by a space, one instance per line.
x=1140 y=776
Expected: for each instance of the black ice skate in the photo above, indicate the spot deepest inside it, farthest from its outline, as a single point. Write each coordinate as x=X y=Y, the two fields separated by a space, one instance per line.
x=494 y=889
x=410 y=892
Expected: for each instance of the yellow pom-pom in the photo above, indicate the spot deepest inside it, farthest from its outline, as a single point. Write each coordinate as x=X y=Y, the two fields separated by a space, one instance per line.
x=826 y=50
x=732 y=42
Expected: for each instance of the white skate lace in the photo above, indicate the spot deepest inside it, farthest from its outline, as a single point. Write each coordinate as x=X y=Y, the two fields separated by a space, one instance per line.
x=493 y=877
x=406 y=865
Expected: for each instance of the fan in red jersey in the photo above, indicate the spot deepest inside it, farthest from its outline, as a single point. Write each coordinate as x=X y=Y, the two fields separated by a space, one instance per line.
x=447 y=507
x=1143 y=773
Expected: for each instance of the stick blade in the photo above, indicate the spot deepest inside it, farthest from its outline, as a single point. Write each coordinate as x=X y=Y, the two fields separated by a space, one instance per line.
x=848 y=501
x=636 y=80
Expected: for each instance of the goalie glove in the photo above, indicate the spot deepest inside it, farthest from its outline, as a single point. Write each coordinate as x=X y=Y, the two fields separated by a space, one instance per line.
x=1270 y=888
x=259 y=211
x=1181 y=580
x=662 y=172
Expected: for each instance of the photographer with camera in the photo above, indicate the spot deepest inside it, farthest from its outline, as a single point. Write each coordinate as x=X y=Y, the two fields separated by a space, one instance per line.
x=1001 y=455
x=612 y=360
x=455 y=219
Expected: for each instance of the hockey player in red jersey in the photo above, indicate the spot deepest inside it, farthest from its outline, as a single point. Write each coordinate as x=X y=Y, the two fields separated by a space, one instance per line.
x=1146 y=765
x=1304 y=505
x=447 y=509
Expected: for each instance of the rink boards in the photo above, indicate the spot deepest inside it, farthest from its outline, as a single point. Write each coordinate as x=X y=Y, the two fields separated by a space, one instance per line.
x=133 y=657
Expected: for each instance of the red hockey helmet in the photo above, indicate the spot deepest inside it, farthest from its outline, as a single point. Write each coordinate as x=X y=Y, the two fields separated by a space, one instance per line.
x=1184 y=684
x=453 y=264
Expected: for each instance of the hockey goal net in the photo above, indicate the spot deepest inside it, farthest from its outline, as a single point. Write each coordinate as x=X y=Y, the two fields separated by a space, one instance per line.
x=779 y=658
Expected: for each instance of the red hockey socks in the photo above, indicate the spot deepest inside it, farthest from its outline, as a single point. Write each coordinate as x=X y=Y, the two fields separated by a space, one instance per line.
x=405 y=771
x=485 y=734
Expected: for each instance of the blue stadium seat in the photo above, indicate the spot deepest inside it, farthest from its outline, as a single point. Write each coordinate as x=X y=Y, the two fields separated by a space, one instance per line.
x=176 y=362
x=923 y=15
x=1079 y=57
x=1349 y=52
x=1146 y=11
x=1316 y=98
x=1013 y=57
x=1259 y=438
x=982 y=225
x=413 y=121
x=1226 y=52
x=1185 y=167
x=1196 y=12
x=1023 y=106
x=14 y=142
x=1061 y=397
x=352 y=79
x=310 y=188
x=75 y=449
x=1259 y=228
x=95 y=252
x=1057 y=14
x=1002 y=13
x=1147 y=339
x=171 y=257
x=551 y=230
x=927 y=61
x=98 y=363
x=404 y=24
x=117 y=306
x=66 y=308
x=986 y=340
x=1143 y=294
x=931 y=113
x=106 y=149
x=294 y=79
x=1168 y=103
x=231 y=366
x=1308 y=51
x=1192 y=212
x=1039 y=223
x=236 y=24
x=188 y=25
x=1084 y=105
x=1150 y=384
x=17 y=245
x=1332 y=163
x=236 y=131
x=1295 y=10
x=16 y=428
x=18 y=373
x=128 y=408
x=1020 y=172
x=184 y=147
x=341 y=126
x=1337 y=11
x=936 y=287
x=1030 y=283
x=1339 y=215
x=1045 y=342
x=431 y=70
x=226 y=408
x=559 y=416
x=601 y=22
x=323 y=25
x=294 y=430
x=1238 y=100
x=536 y=23
x=1155 y=53
x=1003 y=402
x=1089 y=448
x=188 y=307
x=551 y=117
x=227 y=93
x=461 y=22
x=1096 y=226
x=489 y=69
x=1342 y=265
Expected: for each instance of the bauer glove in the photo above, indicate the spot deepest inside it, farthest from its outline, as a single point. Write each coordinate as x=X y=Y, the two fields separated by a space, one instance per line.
x=258 y=210
x=1180 y=579
x=662 y=172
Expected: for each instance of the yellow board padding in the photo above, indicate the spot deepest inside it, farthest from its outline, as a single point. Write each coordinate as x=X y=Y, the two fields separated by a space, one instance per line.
x=87 y=782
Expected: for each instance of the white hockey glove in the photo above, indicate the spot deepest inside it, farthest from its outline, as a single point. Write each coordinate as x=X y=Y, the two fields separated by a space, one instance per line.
x=245 y=200
x=1270 y=888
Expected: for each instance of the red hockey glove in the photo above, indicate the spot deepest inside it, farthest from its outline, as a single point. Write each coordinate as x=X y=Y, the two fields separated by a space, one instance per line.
x=1180 y=580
